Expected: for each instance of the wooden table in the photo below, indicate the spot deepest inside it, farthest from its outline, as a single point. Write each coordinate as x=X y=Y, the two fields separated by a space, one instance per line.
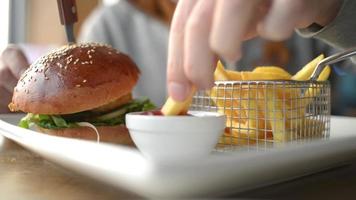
x=26 y=176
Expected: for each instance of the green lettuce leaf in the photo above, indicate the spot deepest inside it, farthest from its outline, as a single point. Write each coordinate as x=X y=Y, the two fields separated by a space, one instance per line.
x=114 y=117
x=45 y=121
x=118 y=116
x=24 y=123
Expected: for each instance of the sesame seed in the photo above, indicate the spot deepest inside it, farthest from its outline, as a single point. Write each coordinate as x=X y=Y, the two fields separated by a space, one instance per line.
x=84 y=81
x=66 y=53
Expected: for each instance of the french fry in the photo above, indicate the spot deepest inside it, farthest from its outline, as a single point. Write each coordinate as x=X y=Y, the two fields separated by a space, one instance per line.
x=239 y=137
x=257 y=75
x=220 y=73
x=226 y=99
x=254 y=110
x=272 y=70
x=241 y=134
x=313 y=92
x=172 y=107
x=276 y=117
x=324 y=75
x=233 y=75
x=305 y=73
x=227 y=102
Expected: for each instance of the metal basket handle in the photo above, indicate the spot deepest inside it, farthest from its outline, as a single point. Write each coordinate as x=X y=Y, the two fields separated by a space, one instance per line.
x=331 y=60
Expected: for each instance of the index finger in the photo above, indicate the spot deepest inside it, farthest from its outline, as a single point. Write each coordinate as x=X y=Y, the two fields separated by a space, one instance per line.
x=178 y=84
x=15 y=59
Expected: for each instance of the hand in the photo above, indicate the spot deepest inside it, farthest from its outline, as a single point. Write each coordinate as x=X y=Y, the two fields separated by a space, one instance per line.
x=203 y=30
x=12 y=64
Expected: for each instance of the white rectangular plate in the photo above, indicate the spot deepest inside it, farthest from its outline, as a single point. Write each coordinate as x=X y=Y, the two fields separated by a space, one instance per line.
x=219 y=174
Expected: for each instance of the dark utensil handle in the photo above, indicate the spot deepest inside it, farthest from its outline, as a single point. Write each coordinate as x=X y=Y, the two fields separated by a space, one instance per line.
x=67 y=11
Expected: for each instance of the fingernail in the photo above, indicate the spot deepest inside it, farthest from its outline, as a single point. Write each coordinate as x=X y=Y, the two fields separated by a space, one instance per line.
x=178 y=91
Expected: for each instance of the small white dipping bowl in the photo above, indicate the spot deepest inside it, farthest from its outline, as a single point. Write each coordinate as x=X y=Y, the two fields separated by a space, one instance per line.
x=176 y=138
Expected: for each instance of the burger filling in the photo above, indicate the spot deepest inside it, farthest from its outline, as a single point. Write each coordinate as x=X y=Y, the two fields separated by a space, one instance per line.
x=109 y=115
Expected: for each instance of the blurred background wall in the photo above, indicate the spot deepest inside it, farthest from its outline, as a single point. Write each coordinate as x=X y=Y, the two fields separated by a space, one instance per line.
x=43 y=25
x=37 y=21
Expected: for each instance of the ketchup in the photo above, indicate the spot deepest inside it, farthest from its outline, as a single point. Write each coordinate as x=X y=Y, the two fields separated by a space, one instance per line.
x=159 y=113
x=153 y=112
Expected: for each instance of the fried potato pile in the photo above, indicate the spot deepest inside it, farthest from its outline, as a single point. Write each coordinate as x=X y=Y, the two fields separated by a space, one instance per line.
x=275 y=111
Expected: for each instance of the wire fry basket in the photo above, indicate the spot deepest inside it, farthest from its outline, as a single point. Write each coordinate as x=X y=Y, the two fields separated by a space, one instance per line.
x=262 y=114
x=265 y=114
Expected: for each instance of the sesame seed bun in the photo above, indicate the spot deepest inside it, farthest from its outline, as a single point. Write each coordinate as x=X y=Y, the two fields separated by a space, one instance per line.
x=110 y=134
x=75 y=78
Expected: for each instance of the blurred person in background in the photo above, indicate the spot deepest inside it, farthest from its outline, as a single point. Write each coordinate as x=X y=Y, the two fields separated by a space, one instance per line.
x=140 y=28
x=12 y=63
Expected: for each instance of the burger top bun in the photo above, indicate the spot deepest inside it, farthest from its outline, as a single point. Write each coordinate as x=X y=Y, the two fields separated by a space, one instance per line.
x=74 y=78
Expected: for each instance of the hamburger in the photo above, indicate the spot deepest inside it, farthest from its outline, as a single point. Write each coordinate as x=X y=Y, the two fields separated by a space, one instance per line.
x=79 y=91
